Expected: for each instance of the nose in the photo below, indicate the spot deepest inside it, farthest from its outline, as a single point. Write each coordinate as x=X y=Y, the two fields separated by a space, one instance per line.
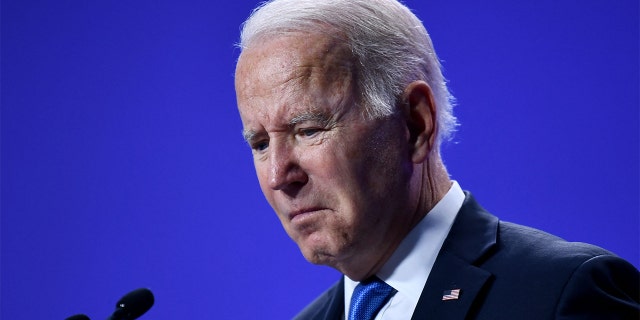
x=285 y=171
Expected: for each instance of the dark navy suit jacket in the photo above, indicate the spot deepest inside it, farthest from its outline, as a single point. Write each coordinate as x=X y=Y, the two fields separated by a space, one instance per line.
x=508 y=271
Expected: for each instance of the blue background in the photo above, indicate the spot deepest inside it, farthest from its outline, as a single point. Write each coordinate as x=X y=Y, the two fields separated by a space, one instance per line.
x=123 y=165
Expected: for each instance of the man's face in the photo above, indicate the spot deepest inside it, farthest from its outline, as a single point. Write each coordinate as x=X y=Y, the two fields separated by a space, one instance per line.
x=338 y=182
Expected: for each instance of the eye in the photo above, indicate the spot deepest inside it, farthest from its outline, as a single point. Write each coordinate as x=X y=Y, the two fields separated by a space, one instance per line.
x=260 y=145
x=309 y=132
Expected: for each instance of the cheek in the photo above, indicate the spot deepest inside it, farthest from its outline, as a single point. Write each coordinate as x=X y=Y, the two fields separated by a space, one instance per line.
x=378 y=170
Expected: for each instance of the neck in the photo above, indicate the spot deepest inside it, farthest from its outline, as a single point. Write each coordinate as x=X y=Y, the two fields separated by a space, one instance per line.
x=435 y=184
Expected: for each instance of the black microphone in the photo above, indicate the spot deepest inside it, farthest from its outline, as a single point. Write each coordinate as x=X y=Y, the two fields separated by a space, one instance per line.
x=133 y=305
x=78 y=317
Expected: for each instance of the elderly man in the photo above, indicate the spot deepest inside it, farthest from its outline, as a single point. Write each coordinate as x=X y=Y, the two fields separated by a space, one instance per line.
x=344 y=106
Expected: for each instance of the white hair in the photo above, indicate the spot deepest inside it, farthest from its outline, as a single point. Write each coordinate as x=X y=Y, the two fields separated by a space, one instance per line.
x=388 y=42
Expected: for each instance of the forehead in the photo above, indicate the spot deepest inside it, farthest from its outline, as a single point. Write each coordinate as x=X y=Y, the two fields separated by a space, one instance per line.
x=308 y=70
x=296 y=53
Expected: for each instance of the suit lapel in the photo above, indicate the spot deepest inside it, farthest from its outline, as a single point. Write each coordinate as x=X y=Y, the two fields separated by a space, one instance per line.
x=335 y=308
x=329 y=306
x=470 y=240
x=450 y=273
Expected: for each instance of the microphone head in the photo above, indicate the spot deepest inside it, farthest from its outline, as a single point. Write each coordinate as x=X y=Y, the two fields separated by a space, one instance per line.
x=78 y=317
x=133 y=304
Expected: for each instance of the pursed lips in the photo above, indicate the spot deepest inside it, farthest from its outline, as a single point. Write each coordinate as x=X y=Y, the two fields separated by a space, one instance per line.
x=302 y=214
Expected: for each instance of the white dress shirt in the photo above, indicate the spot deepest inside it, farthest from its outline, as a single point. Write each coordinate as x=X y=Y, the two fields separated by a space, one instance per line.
x=408 y=268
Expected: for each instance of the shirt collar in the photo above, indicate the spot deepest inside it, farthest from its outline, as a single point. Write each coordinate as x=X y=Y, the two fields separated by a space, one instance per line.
x=408 y=268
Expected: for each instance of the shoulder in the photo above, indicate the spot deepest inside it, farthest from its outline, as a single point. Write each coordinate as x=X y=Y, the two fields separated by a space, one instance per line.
x=608 y=286
x=528 y=251
x=479 y=237
x=566 y=279
x=537 y=244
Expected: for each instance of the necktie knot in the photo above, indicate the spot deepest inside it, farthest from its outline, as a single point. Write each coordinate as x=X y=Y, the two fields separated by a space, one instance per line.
x=368 y=298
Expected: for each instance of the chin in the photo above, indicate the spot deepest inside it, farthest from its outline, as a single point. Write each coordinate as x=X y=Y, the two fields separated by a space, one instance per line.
x=319 y=258
x=317 y=253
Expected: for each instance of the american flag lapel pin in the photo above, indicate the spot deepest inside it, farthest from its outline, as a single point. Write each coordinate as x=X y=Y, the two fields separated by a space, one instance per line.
x=452 y=294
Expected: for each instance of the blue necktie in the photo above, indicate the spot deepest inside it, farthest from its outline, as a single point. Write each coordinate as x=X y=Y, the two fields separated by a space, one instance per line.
x=368 y=298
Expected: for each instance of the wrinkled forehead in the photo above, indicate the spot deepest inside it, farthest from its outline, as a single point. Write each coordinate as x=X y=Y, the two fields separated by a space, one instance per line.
x=293 y=59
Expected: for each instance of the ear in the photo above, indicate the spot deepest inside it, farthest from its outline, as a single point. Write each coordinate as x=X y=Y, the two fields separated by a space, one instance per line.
x=420 y=113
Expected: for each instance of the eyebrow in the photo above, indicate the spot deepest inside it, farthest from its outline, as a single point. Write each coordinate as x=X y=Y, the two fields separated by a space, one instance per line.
x=248 y=135
x=315 y=116
x=319 y=117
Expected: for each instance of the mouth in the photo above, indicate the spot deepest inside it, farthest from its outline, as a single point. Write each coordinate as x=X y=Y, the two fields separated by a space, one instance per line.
x=300 y=216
